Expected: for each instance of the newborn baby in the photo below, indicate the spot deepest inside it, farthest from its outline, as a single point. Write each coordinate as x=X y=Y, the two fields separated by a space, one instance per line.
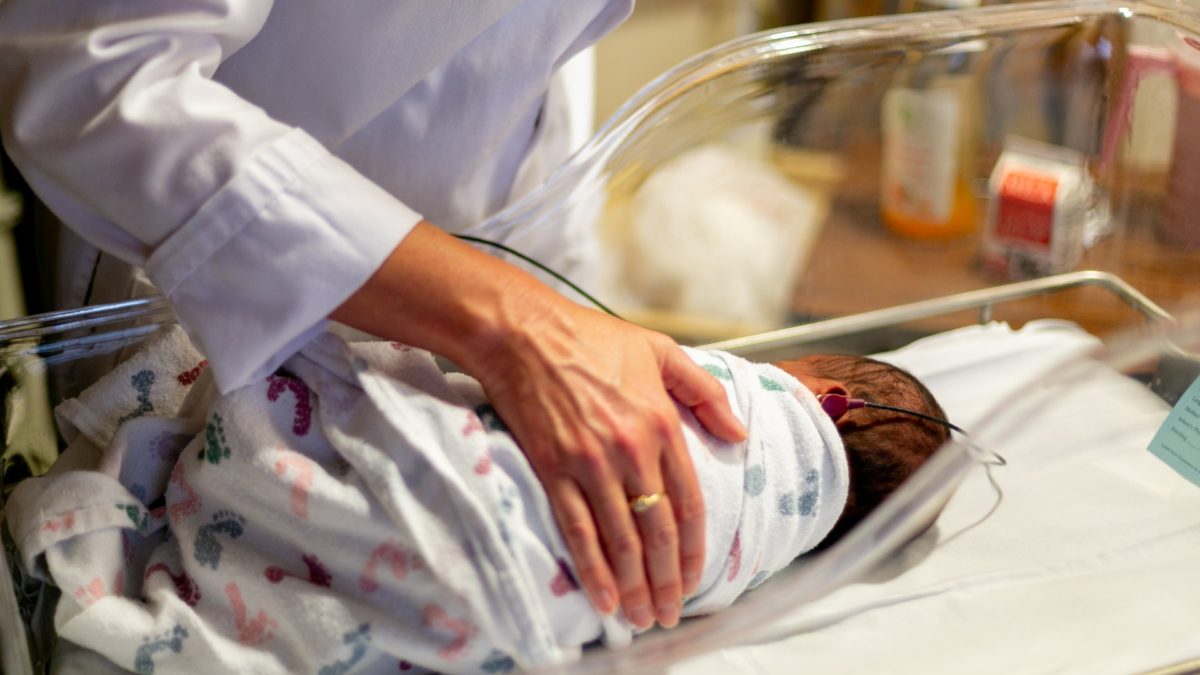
x=367 y=512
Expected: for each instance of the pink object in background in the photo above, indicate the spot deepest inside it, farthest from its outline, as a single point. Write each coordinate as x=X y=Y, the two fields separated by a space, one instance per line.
x=1181 y=211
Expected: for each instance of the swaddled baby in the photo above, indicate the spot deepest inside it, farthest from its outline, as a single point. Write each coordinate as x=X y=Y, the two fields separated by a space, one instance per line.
x=365 y=512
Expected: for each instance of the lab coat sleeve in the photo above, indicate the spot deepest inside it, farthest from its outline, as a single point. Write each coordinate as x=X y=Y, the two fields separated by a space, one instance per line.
x=252 y=228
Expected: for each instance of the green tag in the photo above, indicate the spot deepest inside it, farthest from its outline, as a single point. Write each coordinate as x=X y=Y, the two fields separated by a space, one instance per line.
x=1178 y=440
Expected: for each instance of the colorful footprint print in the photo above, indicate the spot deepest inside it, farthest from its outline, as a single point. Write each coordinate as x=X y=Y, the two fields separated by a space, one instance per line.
x=142 y=382
x=208 y=548
x=172 y=640
x=185 y=586
x=735 y=556
x=303 y=468
x=318 y=573
x=250 y=631
x=720 y=372
x=191 y=502
x=189 y=377
x=63 y=522
x=357 y=640
x=214 y=449
x=460 y=631
x=563 y=582
x=302 y=420
x=395 y=557
x=92 y=592
x=498 y=662
x=139 y=517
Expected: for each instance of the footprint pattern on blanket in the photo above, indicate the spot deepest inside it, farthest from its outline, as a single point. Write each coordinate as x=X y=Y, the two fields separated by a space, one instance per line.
x=185 y=587
x=142 y=382
x=318 y=573
x=189 y=505
x=250 y=632
x=63 y=522
x=171 y=640
x=719 y=372
x=735 y=556
x=215 y=448
x=189 y=377
x=208 y=548
x=91 y=592
x=758 y=579
x=460 y=631
x=302 y=418
x=498 y=662
x=357 y=640
x=304 y=470
x=804 y=505
x=564 y=582
x=139 y=517
x=755 y=480
x=395 y=558
x=769 y=384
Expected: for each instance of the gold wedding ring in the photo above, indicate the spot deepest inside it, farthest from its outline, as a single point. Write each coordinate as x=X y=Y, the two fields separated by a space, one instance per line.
x=643 y=503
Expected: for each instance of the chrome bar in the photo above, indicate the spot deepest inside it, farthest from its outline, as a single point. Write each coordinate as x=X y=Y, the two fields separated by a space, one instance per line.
x=891 y=316
x=155 y=309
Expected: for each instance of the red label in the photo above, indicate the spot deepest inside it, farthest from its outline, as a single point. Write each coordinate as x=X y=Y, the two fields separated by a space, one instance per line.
x=1026 y=209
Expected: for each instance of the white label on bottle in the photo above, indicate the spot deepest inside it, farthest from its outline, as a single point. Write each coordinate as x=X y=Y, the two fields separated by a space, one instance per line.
x=920 y=152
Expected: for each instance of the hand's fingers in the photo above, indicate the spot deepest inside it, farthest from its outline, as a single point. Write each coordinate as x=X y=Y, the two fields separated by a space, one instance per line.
x=623 y=544
x=579 y=532
x=687 y=505
x=657 y=525
x=697 y=390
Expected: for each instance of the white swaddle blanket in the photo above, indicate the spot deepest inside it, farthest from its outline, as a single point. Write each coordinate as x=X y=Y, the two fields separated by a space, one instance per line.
x=367 y=513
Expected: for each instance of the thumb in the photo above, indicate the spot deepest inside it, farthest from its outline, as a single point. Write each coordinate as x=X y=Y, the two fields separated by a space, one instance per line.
x=699 y=391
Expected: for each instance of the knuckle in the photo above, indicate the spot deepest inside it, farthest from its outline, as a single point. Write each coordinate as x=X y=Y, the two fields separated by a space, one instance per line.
x=690 y=509
x=587 y=462
x=693 y=561
x=579 y=536
x=668 y=590
x=626 y=545
x=661 y=537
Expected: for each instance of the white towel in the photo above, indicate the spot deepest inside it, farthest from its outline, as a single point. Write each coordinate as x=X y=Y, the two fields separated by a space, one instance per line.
x=154 y=384
x=367 y=511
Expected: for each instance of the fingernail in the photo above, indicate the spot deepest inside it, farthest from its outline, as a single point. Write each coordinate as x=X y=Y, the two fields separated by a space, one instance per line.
x=641 y=616
x=690 y=580
x=668 y=614
x=606 y=601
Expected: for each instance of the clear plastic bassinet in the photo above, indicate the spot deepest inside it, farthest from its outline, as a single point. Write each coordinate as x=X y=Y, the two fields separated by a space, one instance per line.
x=772 y=150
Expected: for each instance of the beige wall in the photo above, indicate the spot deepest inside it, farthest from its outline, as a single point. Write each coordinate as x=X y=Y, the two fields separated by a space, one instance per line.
x=660 y=34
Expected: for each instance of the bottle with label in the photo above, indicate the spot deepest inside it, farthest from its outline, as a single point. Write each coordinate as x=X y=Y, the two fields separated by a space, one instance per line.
x=928 y=143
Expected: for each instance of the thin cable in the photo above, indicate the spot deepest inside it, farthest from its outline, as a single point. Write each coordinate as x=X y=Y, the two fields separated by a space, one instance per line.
x=540 y=266
x=914 y=413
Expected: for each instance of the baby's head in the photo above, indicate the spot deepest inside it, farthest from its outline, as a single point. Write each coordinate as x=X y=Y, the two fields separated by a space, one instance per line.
x=883 y=448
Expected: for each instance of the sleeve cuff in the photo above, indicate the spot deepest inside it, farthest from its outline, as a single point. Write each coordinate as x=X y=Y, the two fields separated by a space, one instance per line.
x=254 y=273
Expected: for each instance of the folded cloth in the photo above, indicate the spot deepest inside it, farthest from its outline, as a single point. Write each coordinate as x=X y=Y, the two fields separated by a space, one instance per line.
x=364 y=510
x=153 y=384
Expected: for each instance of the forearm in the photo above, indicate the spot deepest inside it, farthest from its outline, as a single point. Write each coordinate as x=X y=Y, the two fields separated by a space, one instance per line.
x=440 y=294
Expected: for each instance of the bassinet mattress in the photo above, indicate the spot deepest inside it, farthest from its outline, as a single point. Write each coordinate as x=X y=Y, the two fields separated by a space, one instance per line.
x=1090 y=562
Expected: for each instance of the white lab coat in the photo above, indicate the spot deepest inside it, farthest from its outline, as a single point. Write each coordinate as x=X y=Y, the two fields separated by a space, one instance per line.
x=260 y=159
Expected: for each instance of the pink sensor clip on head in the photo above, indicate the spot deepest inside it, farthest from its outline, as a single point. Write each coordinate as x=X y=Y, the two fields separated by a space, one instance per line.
x=836 y=405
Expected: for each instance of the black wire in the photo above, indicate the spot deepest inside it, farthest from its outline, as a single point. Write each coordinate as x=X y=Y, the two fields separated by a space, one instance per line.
x=540 y=266
x=914 y=413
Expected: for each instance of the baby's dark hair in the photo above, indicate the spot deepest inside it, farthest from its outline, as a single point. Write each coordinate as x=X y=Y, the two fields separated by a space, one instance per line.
x=883 y=448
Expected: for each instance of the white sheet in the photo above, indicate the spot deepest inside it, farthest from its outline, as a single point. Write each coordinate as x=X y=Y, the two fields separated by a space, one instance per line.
x=1090 y=564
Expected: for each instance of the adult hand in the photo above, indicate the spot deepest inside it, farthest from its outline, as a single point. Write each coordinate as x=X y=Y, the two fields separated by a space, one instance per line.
x=590 y=399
